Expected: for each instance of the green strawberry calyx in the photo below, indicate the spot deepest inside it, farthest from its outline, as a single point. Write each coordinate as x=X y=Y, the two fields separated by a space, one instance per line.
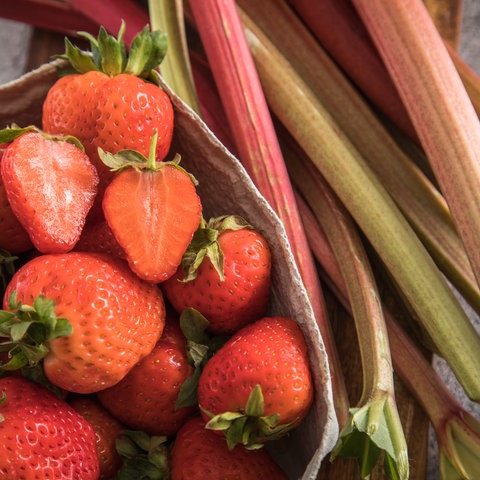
x=251 y=428
x=205 y=244
x=133 y=159
x=108 y=54
x=144 y=456
x=11 y=133
x=26 y=331
x=7 y=269
x=200 y=348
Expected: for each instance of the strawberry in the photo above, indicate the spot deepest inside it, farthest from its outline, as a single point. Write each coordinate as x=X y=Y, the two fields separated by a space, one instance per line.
x=14 y=238
x=113 y=101
x=153 y=210
x=107 y=430
x=98 y=237
x=115 y=317
x=225 y=275
x=258 y=386
x=146 y=398
x=42 y=436
x=50 y=184
x=199 y=453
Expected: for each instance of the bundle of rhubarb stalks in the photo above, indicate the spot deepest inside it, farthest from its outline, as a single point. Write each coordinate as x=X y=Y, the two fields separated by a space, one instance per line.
x=358 y=123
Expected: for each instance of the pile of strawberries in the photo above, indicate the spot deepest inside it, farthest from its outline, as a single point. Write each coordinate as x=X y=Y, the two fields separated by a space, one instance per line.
x=133 y=340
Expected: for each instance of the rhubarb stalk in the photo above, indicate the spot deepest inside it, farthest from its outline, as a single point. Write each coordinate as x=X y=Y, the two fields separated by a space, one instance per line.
x=438 y=104
x=419 y=200
x=447 y=17
x=234 y=71
x=457 y=431
x=350 y=46
x=111 y=13
x=374 y=425
x=371 y=206
x=167 y=15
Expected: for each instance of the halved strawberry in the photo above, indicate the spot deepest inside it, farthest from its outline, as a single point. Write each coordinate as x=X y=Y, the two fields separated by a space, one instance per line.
x=50 y=184
x=153 y=210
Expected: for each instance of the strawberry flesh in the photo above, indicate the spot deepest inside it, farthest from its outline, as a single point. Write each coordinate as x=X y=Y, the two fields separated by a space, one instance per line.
x=153 y=215
x=51 y=187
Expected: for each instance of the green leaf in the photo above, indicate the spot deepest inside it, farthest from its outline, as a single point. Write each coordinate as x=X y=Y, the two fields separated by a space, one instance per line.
x=112 y=52
x=255 y=404
x=16 y=361
x=187 y=396
x=193 y=325
x=28 y=329
x=145 y=456
x=3 y=398
x=122 y=159
x=81 y=61
x=109 y=55
x=8 y=135
x=237 y=433
x=374 y=430
x=19 y=330
x=147 y=52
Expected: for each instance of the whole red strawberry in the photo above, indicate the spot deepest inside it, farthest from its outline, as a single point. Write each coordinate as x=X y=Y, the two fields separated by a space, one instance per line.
x=153 y=210
x=262 y=374
x=14 y=238
x=50 y=185
x=199 y=453
x=116 y=318
x=146 y=398
x=225 y=275
x=42 y=436
x=113 y=101
x=107 y=430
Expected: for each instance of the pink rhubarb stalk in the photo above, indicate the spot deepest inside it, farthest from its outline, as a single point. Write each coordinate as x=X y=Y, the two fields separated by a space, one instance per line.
x=438 y=104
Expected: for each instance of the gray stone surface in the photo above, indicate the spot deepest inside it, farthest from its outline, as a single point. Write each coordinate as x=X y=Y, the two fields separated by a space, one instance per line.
x=470 y=36
x=14 y=38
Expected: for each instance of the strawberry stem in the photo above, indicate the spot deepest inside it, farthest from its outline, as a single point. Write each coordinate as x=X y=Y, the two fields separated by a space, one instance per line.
x=152 y=157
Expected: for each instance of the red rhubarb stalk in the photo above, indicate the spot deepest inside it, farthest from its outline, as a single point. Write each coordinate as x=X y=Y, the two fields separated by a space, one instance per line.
x=110 y=13
x=49 y=15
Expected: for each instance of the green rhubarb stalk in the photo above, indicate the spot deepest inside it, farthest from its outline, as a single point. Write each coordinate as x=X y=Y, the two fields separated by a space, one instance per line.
x=371 y=206
x=419 y=200
x=239 y=88
x=437 y=102
x=374 y=425
x=167 y=15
